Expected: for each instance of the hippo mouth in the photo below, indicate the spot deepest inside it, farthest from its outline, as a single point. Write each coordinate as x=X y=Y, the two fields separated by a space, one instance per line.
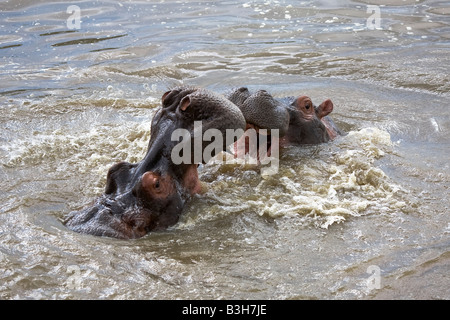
x=115 y=218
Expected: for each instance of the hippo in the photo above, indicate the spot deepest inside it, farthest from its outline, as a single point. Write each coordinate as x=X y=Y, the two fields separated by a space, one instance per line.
x=150 y=195
x=261 y=111
x=298 y=120
x=310 y=124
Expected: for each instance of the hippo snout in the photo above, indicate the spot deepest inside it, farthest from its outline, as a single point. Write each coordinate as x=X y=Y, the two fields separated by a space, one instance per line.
x=154 y=203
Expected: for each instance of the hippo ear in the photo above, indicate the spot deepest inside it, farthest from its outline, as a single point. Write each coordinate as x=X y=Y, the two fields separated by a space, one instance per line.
x=172 y=98
x=185 y=103
x=213 y=110
x=163 y=98
x=118 y=177
x=324 y=109
x=238 y=96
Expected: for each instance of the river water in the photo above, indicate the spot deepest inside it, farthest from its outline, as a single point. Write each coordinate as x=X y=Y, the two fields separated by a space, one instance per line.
x=363 y=217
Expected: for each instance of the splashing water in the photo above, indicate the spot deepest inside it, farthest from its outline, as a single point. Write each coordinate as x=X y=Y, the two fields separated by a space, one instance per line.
x=322 y=184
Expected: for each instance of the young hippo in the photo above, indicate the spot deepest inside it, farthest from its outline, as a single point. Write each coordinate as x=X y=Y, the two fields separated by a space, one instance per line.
x=298 y=121
x=309 y=124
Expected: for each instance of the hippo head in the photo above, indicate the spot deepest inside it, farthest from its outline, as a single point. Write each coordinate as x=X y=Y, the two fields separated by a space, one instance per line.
x=151 y=194
x=308 y=124
x=261 y=110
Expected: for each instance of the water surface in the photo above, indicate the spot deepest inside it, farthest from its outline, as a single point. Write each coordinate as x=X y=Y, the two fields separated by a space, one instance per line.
x=76 y=100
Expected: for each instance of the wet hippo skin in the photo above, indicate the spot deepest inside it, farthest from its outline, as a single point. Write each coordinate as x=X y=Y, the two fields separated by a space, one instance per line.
x=310 y=124
x=261 y=110
x=298 y=120
x=151 y=194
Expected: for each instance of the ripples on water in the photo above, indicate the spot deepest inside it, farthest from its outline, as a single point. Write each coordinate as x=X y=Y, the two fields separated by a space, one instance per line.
x=75 y=101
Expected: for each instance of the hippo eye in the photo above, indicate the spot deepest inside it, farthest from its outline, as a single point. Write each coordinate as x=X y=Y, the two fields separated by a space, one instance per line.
x=157 y=184
x=307 y=106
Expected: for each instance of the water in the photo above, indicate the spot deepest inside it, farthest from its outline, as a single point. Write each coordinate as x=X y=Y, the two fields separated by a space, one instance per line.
x=362 y=217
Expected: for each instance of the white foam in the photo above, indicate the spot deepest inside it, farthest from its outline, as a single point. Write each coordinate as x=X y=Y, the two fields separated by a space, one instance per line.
x=322 y=188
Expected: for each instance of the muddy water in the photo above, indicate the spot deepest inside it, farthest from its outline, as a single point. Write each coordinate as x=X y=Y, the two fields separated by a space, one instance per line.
x=363 y=217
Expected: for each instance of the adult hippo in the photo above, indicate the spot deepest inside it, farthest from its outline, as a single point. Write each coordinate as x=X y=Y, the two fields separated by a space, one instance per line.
x=298 y=120
x=151 y=194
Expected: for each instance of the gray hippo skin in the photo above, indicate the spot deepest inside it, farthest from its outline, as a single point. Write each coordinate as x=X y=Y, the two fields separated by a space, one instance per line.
x=298 y=120
x=151 y=194
x=309 y=124
x=261 y=110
